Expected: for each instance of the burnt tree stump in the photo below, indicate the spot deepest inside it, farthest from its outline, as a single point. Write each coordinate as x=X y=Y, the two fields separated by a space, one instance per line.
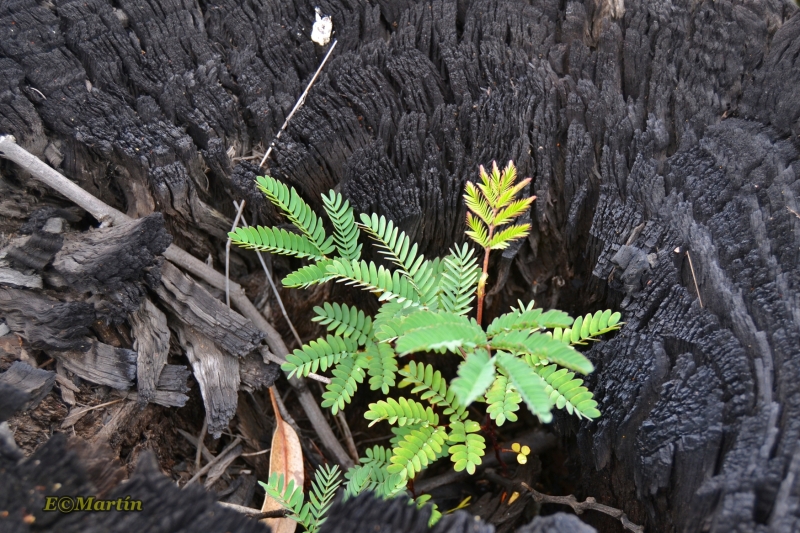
x=662 y=137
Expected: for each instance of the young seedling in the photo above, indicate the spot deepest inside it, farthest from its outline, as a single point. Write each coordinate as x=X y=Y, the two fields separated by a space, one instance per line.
x=492 y=207
x=525 y=356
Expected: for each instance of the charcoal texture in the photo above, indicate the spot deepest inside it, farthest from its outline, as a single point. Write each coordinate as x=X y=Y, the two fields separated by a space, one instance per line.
x=662 y=139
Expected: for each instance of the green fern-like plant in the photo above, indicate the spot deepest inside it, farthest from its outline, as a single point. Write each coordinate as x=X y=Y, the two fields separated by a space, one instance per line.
x=526 y=356
x=311 y=513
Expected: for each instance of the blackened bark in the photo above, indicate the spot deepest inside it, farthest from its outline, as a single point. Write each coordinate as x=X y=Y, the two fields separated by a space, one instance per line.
x=648 y=127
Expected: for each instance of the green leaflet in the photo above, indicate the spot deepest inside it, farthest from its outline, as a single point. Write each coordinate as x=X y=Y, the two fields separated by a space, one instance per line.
x=475 y=374
x=502 y=239
x=432 y=387
x=319 y=355
x=568 y=393
x=503 y=400
x=276 y=241
x=392 y=243
x=468 y=447
x=308 y=275
x=531 y=387
x=345 y=321
x=297 y=211
x=376 y=279
x=459 y=279
x=438 y=331
x=397 y=247
x=346 y=377
x=345 y=229
x=530 y=320
x=388 y=323
x=589 y=327
x=416 y=451
x=403 y=412
x=423 y=500
x=544 y=347
x=371 y=475
x=382 y=366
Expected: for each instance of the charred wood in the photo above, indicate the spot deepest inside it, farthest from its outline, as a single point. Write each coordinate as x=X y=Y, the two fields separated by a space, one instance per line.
x=196 y=307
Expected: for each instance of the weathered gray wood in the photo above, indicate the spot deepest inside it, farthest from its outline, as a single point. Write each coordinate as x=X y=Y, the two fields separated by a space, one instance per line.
x=33 y=384
x=172 y=386
x=255 y=373
x=667 y=114
x=217 y=374
x=32 y=253
x=101 y=364
x=46 y=323
x=68 y=388
x=14 y=278
x=196 y=307
x=151 y=343
x=114 y=262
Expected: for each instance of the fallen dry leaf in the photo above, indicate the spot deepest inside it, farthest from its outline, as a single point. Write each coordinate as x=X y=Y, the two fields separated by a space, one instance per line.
x=285 y=458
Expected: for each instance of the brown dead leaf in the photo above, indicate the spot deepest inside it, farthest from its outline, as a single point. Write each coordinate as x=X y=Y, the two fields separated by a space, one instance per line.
x=285 y=458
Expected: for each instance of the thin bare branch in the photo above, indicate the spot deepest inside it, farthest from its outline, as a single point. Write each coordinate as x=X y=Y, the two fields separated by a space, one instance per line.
x=579 y=507
x=696 y=288
x=256 y=513
x=252 y=454
x=44 y=173
x=272 y=284
x=348 y=435
x=298 y=103
x=228 y=255
x=200 y=446
x=207 y=455
x=230 y=447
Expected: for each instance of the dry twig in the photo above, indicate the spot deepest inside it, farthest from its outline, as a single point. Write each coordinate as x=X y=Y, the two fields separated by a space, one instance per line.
x=579 y=507
x=200 y=446
x=9 y=149
x=260 y=452
x=216 y=460
x=256 y=513
x=207 y=455
x=298 y=103
x=271 y=283
x=696 y=288
x=228 y=255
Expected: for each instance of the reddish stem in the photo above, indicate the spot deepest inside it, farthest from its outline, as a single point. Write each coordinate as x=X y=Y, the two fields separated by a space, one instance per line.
x=484 y=277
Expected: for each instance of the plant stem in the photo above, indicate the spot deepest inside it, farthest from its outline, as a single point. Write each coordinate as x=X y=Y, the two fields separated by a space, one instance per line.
x=484 y=277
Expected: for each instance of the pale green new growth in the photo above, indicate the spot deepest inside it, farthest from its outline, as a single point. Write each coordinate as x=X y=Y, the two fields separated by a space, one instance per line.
x=526 y=356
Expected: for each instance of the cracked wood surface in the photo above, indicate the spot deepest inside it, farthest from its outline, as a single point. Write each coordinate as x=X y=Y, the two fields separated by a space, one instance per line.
x=650 y=125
